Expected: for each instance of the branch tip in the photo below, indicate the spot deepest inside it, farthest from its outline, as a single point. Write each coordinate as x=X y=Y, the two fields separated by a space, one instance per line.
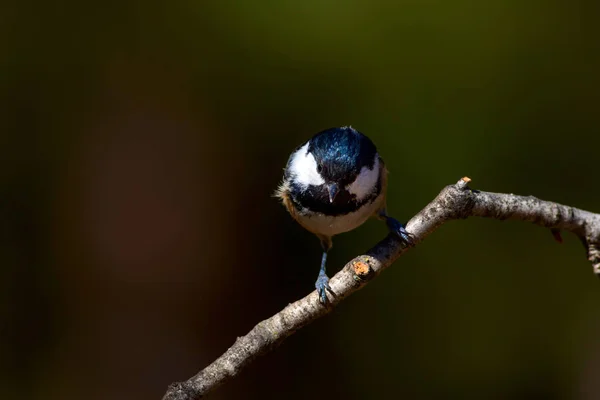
x=557 y=235
x=594 y=257
x=462 y=183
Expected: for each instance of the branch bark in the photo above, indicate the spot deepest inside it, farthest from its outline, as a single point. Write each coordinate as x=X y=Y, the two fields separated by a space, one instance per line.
x=454 y=202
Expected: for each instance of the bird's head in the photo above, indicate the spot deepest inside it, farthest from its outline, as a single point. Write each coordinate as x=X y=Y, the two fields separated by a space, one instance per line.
x=338 y=165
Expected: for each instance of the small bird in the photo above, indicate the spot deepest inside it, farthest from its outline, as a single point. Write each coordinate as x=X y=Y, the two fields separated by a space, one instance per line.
x=332 y=184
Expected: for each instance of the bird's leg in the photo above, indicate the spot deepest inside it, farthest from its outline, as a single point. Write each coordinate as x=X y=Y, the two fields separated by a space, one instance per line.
x=322 y=283
x=396 y=227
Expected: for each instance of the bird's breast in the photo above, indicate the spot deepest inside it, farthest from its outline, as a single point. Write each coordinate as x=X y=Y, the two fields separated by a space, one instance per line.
x=330 y=225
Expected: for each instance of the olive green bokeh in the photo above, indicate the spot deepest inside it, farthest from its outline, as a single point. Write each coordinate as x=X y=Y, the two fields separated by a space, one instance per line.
x=140 y=145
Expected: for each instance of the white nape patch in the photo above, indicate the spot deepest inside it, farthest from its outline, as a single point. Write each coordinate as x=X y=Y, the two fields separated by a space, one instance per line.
x=303 y=167
x=365 y=182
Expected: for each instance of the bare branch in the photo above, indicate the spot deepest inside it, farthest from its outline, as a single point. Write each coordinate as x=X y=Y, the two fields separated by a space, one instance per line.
x=454 y=202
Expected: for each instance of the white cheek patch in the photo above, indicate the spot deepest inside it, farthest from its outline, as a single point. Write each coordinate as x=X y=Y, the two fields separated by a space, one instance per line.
x=304 y=167
x=366 y=181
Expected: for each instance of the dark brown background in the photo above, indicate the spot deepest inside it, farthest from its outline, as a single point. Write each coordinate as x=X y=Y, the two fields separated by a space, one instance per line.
x=140 y=146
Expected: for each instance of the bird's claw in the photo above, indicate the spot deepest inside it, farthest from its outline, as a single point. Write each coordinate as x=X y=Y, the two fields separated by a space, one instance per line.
x=322 y=286
x=396 y=227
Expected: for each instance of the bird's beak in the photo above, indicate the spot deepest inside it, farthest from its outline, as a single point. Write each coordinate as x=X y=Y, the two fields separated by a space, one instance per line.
x=333 y=191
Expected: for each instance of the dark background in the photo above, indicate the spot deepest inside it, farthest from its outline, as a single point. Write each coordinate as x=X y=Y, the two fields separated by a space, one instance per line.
x=140 y=145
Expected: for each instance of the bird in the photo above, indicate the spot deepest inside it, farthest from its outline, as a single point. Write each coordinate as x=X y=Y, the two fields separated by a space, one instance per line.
x=332 y=184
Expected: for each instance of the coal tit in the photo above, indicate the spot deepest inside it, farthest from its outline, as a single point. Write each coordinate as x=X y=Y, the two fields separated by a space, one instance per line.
x=332 y=184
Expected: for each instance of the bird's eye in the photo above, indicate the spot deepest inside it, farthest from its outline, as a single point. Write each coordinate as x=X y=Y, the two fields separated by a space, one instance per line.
x=319 y=168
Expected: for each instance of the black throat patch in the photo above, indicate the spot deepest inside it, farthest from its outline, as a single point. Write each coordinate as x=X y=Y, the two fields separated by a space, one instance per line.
x=315 y=199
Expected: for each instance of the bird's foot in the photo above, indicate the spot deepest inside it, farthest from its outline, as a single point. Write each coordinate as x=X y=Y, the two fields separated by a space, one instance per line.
x=322 y=285
x=396 y=227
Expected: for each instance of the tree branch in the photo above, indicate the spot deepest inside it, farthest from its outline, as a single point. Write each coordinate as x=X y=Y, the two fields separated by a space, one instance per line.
x=454 y=202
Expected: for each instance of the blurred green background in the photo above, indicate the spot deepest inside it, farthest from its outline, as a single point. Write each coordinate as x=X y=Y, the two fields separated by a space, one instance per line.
x=140 y=145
